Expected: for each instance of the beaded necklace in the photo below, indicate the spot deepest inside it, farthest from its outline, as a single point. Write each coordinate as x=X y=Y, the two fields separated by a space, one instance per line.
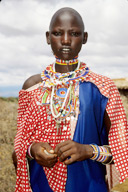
x=63 y=105
x=65 y=62
x=63 y=99
x=54 y=78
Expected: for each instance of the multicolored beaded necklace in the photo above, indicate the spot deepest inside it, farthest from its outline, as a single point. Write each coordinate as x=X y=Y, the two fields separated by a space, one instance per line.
x=65 y=62
x=64 y=102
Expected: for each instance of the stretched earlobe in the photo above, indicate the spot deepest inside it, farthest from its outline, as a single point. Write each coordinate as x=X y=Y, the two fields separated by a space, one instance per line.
x=48 y=37
x=85 y=37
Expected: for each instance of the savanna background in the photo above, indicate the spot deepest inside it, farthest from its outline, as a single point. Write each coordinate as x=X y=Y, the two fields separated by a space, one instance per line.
x=8 y=126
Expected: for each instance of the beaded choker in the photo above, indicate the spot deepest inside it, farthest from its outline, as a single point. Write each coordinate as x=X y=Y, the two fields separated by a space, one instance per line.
x=66 y=62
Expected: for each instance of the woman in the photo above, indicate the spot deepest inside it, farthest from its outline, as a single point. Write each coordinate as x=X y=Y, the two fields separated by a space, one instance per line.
x=66 y=117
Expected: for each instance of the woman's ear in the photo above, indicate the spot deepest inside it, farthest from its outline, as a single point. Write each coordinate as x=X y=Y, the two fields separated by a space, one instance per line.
x=48 y=37
x=85 y=37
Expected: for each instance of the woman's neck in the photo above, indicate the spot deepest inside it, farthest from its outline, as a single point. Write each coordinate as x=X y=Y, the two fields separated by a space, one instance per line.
x=64 y=66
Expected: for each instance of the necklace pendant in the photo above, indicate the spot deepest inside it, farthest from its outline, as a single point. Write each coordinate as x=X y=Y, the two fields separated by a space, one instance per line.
x=58 y=127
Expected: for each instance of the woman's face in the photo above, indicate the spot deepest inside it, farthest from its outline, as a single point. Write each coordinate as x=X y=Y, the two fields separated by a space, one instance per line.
x=66 y=36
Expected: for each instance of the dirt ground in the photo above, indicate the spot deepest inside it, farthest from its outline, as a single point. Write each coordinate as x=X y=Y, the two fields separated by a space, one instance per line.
x=8 y=115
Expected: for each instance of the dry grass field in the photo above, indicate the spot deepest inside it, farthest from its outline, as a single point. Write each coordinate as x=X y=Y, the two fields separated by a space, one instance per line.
x=8 y=115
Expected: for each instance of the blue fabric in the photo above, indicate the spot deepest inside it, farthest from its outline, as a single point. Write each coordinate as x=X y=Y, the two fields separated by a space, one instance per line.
x=38 y=180
x=88 y=175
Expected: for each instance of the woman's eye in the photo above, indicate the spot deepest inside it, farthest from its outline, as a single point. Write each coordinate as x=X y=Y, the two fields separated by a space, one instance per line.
x=76 y=34
x=57 y=33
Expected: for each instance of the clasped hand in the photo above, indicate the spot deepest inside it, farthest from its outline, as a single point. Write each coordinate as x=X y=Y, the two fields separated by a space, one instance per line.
x=68 y=152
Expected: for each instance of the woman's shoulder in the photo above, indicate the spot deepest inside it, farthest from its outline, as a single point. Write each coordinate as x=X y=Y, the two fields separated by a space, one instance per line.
x=103 y=83
x=31 y=81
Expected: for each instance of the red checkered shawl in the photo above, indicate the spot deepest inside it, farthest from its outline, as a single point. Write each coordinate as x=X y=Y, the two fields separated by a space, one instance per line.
x=31 y=127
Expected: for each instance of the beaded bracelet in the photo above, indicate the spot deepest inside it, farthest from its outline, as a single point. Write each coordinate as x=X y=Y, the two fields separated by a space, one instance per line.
x=96 y=152
x=108 y=162
x=101 y=154
x=29 y=152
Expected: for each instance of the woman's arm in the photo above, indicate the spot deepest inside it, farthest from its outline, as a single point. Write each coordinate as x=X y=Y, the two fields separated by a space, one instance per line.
x=14 y=159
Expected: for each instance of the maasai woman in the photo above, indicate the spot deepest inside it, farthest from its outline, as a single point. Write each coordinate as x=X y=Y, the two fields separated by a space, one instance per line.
x=71 y=121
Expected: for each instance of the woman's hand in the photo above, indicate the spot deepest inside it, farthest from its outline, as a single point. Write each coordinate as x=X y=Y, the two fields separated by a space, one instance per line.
x=43 y=154
x=74 y=150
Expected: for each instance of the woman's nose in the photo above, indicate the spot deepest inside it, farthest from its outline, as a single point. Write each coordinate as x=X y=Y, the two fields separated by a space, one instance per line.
x=66 y=40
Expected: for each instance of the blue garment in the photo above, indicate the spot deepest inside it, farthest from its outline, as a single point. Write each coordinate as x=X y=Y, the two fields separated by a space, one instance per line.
x=88 y=175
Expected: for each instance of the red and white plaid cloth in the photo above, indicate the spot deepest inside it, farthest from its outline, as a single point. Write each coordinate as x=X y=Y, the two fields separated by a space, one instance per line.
x=33 y=125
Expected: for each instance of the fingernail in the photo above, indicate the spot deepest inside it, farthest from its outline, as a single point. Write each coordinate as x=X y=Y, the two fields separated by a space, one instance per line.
x=51 y=151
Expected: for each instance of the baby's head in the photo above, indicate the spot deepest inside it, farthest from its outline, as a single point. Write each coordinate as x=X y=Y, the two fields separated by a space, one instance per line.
x=66 y=33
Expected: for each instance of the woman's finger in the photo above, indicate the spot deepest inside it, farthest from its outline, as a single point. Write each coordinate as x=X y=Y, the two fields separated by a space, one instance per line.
x=67 y=154
x=72 y=159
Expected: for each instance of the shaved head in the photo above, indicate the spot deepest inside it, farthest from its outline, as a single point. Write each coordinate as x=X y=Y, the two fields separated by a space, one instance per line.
x=66 y=31
x=67 y=11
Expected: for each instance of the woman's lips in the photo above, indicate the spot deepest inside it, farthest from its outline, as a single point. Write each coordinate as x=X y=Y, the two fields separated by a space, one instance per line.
x=65 y=50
